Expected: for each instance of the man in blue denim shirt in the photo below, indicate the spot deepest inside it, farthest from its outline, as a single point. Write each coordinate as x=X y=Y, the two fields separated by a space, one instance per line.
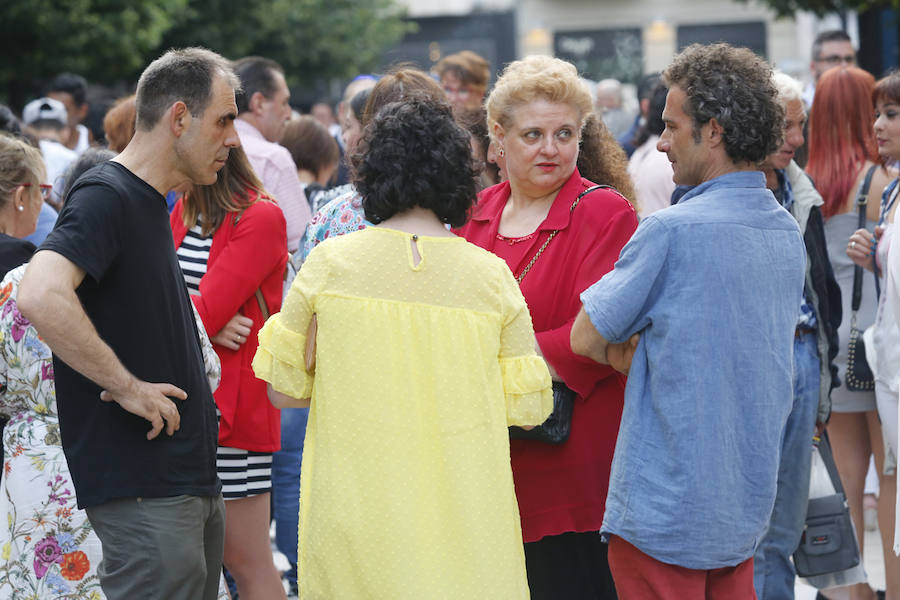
x=700 y=310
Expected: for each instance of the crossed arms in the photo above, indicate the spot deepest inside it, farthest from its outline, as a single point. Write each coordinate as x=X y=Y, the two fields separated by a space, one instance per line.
x=587 y=341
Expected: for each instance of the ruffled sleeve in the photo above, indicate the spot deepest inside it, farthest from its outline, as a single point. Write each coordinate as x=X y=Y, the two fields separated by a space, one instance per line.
x=529 y=397
x=526 y=378
x=280 y=359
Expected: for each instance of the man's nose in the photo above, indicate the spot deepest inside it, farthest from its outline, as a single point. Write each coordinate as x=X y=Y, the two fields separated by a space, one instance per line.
x=231 y=138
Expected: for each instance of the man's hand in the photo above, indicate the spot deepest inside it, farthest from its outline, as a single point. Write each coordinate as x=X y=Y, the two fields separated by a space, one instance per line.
x=150 y=401
x=619 y=355
x=234 y=333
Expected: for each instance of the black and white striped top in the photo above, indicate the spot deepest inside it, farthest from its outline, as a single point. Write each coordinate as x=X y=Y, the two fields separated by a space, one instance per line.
x=193 y=254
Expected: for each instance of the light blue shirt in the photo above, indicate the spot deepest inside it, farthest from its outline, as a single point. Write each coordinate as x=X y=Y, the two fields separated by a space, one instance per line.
x=712 y=285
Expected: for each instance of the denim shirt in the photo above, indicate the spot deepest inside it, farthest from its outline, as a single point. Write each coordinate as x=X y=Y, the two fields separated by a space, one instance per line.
x=712 y=285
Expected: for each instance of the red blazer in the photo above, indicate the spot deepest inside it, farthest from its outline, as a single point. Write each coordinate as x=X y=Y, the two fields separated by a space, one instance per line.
x=563 y=488
x=244 y=257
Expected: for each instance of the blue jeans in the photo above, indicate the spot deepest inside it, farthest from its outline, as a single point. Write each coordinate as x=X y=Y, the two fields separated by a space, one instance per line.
x=286 y=485
x=773 y=571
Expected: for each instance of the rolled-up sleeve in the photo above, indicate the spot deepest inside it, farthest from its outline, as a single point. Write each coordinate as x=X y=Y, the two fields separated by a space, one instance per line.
x=619 y=303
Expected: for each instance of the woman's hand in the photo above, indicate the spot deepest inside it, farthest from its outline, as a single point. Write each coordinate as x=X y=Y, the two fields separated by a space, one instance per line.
x=861 y=247
x=234 y=333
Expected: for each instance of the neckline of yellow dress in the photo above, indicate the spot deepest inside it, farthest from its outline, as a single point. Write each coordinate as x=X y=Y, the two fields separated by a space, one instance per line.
x=416 y=236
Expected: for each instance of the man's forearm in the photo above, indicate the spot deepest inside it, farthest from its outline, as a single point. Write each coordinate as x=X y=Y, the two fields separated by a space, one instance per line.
x=586 y=340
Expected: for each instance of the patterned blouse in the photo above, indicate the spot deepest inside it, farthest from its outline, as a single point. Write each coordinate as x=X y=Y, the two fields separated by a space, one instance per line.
x=342 y=215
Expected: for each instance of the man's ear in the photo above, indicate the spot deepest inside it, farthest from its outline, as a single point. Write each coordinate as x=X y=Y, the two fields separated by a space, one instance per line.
x=713 y=131
x=256 y=101
x=179 y=118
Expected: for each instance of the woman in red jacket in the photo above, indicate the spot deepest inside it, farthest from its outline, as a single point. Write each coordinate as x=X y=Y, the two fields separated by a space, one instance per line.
x=535 y=114
x=232 y=245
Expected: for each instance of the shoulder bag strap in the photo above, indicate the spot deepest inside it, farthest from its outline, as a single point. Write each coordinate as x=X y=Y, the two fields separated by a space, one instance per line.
x=553 y=233
x=828 y=459
x=263 y=307
x=861 y=202
x=888 y=197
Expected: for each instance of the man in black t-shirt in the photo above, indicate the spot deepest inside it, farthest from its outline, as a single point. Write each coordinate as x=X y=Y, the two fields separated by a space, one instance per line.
x=107 y=295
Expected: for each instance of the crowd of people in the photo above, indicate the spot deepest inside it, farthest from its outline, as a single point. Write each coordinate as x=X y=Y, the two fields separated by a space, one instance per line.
x=462 y=339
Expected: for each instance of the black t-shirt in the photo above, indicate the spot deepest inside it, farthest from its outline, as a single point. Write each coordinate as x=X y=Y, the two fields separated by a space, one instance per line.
x=13 y=252
x=116 y=227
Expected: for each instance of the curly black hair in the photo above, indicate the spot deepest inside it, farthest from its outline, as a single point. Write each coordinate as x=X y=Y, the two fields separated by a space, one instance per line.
x=733 y=86
x=414 y=154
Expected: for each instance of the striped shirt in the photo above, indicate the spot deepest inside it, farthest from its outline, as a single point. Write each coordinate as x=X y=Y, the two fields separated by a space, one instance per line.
x=193 y=254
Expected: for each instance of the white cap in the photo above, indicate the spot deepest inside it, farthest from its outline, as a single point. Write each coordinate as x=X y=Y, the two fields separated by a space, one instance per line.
x=45 y=109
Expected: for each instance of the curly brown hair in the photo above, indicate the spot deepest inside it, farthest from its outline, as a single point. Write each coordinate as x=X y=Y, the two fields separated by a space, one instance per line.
x=733 y=86
x=602 y=160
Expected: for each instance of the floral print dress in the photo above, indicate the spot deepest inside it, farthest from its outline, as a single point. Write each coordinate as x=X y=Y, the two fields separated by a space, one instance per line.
x=344 y=214
x=48 y=547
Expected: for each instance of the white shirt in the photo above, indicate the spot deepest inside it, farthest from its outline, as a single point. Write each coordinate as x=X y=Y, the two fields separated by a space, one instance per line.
x=57 y=159
x=84 y=139
x=651 y=173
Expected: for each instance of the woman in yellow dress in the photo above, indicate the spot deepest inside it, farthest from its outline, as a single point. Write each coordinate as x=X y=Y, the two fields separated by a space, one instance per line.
x=425 y=353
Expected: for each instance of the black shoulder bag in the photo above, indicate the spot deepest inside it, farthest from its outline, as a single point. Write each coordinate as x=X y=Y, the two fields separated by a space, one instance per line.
x=828 y=544
x=859 y=376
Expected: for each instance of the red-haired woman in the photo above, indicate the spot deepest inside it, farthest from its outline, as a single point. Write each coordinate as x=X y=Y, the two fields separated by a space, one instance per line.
x=842 y=150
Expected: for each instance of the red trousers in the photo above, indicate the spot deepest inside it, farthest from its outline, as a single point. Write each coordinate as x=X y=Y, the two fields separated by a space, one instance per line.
x=640 y=577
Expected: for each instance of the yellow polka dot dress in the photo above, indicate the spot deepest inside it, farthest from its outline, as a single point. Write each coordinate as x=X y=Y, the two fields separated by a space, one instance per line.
x=422 y=361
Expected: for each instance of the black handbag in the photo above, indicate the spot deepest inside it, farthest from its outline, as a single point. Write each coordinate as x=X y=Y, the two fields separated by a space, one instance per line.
x=828 y=544
x=859 y=376
x=555 y=430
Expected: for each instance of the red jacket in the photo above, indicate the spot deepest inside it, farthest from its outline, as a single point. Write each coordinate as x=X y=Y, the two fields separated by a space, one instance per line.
x=244 y=257
x=563 y=488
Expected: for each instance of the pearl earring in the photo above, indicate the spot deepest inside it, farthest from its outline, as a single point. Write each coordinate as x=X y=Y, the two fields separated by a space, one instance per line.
x=21 y=208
